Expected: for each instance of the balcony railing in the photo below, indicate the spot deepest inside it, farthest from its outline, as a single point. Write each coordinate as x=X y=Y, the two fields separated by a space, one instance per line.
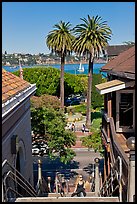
x=115 y=151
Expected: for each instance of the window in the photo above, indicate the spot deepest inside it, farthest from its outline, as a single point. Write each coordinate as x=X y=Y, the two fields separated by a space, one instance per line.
x=125 y=111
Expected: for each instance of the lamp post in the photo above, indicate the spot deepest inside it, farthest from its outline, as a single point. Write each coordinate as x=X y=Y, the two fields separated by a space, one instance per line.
x=97 y=179
x=131 y=169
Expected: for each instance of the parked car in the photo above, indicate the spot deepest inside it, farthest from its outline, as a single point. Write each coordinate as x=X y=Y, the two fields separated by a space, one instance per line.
x=35 y=151
x=72 y=101
x=75 y=102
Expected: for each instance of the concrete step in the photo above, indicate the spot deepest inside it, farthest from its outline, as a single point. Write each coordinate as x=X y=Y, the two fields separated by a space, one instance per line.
x=68 y=199
x=89 y=194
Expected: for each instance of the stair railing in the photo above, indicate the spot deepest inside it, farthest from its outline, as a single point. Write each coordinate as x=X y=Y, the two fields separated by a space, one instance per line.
x=14 y=185
x=113 y=182
x=58 y=183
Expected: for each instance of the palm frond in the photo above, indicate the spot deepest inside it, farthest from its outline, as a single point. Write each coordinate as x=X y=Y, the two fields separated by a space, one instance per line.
x=91 y=36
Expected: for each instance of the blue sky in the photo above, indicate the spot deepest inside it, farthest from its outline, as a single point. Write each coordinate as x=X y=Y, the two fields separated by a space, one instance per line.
x=26 y=24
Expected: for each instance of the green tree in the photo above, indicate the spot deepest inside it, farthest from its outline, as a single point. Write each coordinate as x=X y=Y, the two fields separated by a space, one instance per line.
x=91 y=39
x=45 y=100
x=47 y=81
x=59 y=41
x=50 y=124
x=129 y=43
x=93 y=141
x=97 y=99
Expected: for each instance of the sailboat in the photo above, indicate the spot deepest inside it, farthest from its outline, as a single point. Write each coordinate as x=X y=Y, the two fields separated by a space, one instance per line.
x=14 y=67
x=81 y=68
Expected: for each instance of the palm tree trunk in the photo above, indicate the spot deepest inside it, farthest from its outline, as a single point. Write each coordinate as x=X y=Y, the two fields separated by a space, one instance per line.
x=89 y=91
x=62 y=81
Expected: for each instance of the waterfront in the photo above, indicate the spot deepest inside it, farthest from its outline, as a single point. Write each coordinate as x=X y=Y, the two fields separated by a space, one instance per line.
x=68 y=68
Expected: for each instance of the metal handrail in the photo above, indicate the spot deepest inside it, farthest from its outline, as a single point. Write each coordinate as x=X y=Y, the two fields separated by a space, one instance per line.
x=19 y=182
x=16 y=180
x=58 y=182
x=108 y=188
x=16 y=171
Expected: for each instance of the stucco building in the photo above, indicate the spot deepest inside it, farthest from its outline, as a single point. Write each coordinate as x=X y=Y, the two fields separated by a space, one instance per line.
x=16 y=123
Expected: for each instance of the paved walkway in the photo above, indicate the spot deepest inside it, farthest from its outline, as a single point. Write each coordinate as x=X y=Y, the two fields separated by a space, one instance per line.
x=79 y=135
x=78 y=132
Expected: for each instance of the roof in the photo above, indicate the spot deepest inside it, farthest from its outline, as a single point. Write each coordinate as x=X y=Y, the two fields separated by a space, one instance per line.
x=12 y=85
x=113 y=85
x=115 y=50
x=124 y=62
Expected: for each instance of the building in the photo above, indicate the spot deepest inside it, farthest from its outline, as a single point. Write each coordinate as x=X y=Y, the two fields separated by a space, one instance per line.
x=118 y=118
x=16 y=123
x=113 y=51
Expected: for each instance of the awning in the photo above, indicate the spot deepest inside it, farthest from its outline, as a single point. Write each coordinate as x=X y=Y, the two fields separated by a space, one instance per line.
x=113 y=85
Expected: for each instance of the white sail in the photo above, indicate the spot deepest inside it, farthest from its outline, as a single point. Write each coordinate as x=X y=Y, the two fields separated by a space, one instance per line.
x=81 y=68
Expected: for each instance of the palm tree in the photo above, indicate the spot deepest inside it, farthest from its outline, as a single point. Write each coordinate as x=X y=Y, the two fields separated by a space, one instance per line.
x=91 y=39
x=59 y=41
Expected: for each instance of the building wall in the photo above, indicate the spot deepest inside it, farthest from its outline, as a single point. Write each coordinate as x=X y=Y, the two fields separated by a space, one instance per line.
x=18 y=122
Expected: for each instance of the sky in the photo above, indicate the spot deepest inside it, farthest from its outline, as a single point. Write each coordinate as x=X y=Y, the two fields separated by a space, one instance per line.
x=25 y=25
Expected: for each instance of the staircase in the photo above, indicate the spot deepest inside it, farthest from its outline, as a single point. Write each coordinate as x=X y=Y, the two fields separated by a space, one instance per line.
x=15 y=188
x=14 y=185
x=79 y=135
x=69 y=199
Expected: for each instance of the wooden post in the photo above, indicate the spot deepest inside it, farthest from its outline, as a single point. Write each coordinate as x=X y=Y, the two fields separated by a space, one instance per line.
x=105 y=166
x=131 y=170
x=108 y=129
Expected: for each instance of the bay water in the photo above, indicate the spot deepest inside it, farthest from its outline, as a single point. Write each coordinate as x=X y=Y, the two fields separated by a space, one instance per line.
x=68 y=68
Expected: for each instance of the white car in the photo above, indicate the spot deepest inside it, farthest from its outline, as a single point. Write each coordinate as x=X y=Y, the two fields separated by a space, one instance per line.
x=35 y=151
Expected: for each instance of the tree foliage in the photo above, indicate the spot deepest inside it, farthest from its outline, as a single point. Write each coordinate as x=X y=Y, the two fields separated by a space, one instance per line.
x=59 y=41
x=50 y=124
x=47 y=81
x=92 y=37
x=93 y=141
x=129 y=43
x=97 y=99
x=45 y=100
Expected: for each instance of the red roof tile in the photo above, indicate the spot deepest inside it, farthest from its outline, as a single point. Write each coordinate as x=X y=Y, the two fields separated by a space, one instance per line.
x=12 y=85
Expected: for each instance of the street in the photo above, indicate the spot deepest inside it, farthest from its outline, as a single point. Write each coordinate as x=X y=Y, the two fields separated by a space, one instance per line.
x=82 y=163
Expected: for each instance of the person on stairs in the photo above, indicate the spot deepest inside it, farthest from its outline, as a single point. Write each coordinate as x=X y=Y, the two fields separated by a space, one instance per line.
x=80 y=187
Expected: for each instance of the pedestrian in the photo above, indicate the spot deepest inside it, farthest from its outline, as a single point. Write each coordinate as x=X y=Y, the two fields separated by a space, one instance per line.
x=49 y=184
x=83 y=128
x=87 y=184
x=63 y=187
x=73 y=127
x=80 y=187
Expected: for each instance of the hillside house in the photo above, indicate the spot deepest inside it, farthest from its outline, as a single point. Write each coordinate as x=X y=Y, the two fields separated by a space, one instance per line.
x=113 y=51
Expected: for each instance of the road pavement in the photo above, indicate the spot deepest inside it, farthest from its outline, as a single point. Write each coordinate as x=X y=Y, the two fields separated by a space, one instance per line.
x=83 y=163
